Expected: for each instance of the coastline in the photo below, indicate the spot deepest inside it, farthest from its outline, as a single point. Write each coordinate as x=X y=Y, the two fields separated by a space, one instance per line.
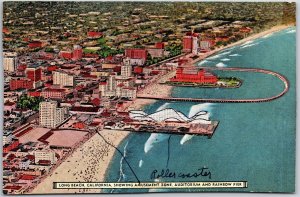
x=89 y=162
x=249 y=38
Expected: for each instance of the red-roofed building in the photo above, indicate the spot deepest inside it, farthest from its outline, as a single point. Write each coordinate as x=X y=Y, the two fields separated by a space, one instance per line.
x=53 y=93
x=96 y=102
x=117 y=69
x=94 y=34
x=26 y=39
x=246 y=30
x=9 y=106
x=90 y=55
x=137 y=56
x=48 y=84
x=77 y=52
x=79 y=125
x=222 y=39
x=159 y=45
x=105 y=113
x=66 y=54
x=44 y=162
x=194 y=76
x=35 y=44
x=27 y=177
x=8 y=147
x=52 y=68
x=109 y=58
x=34 y=93
x=138 y=70
x=22 y=67
x=79 y=87
x=12 y=188
x=20 y=83
x=5 y=30
x=85 y=110
x=154 y=72
x=190 y=42
x=34 y=73
x=30 y=157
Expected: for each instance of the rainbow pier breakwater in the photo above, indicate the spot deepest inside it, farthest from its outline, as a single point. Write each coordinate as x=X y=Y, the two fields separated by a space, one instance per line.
x=221 y=100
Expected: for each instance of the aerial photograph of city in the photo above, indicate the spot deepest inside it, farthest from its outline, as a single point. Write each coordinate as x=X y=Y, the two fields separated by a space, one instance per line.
x=138 y=97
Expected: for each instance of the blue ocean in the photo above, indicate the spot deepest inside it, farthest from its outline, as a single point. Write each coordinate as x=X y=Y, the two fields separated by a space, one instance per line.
x=254 y=142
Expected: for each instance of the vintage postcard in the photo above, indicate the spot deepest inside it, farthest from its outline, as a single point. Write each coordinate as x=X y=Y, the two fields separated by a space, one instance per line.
x=138 y=97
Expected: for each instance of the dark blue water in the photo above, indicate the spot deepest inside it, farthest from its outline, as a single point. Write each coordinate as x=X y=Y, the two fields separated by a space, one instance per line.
x=254 y=142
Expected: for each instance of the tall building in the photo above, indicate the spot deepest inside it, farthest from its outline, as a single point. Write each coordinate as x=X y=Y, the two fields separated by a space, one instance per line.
x=63 y=79
x=195 y=45
x=190 y=43
x=34 y=73
x=77 y=52
x=111 y=83
x=125 y=92
x=187 y=44
x=10 y=61
x=126 y=68
x=50 y=115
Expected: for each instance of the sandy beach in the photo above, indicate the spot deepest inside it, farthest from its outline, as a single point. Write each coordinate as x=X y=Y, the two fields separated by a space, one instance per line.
x=90 y=162
x=249 y=38
x=87 y=164
x=157 y=89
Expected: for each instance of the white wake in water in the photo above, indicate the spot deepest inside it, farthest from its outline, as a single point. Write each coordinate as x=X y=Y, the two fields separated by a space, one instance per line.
x=213 y=57
x=248 y=42
x=249 y=45
x=225 y=59
x=291 y=31
x=235 y=55
x=199 y=107
x=203 y=62
x=154 y=139
x=221 y=65
x=225 y=53
x=268 y=35
x=186 y=138
x=141 y=163
x=122 y=174
x=218 y=55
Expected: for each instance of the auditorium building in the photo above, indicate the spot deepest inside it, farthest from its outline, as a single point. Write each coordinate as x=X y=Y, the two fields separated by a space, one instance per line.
x=194 y=75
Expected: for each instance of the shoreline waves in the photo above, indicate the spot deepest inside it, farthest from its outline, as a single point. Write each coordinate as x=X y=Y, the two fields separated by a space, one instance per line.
x=240 y=42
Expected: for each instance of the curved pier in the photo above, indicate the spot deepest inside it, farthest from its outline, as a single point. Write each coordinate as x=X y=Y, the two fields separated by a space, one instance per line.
x=258 y=100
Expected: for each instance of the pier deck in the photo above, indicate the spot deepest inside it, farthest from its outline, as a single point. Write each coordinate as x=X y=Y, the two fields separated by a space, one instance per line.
x=194 y=129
